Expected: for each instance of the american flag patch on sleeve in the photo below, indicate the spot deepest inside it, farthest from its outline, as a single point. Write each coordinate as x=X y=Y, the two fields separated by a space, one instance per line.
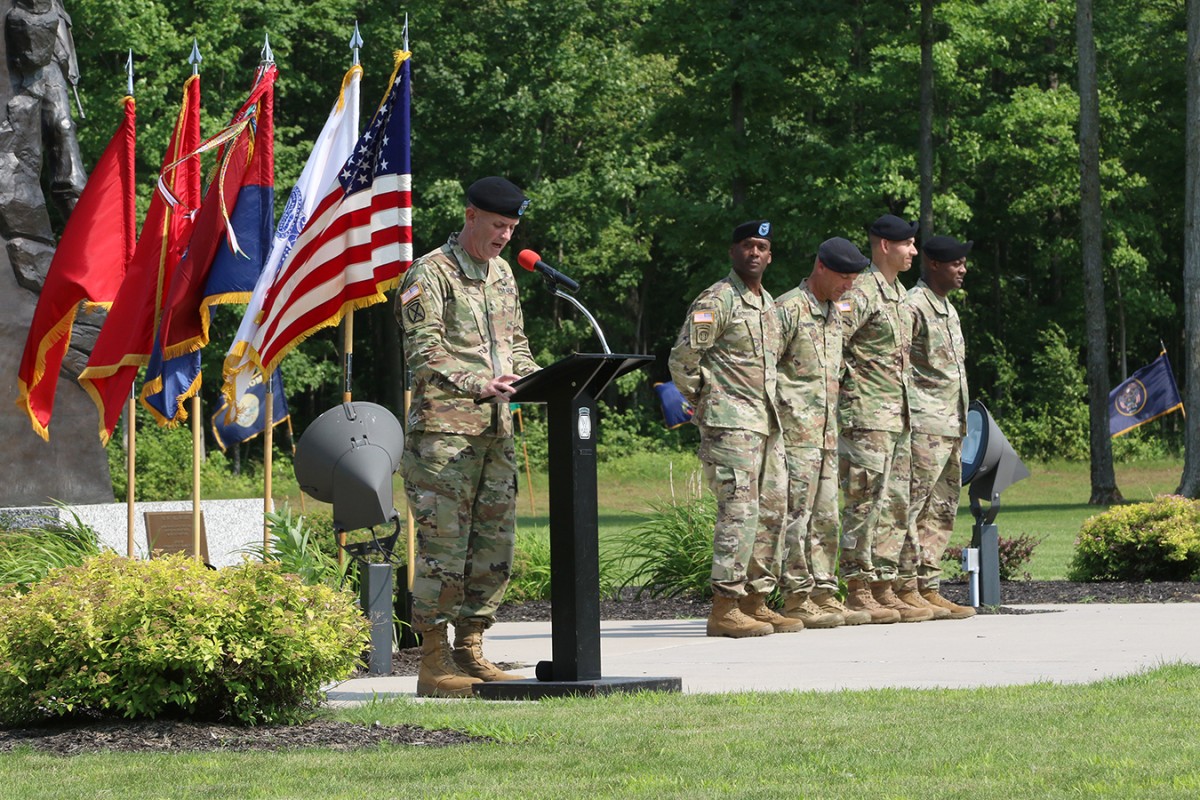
x=410 y=294
x=702 y=316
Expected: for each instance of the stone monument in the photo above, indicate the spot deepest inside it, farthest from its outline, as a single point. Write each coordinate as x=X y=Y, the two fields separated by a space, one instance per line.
x=38 y=148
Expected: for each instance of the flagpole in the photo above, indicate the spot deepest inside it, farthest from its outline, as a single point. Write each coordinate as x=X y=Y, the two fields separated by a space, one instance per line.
x=194 y=59
x=412 y=522
x=197 y=434
x=131 y=417
x=356 y=42
x=292 y=439
x=130 y=469
x=268 y=447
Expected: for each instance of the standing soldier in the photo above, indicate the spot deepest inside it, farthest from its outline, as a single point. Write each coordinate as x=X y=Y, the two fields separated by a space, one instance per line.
x=810 y=367
x=462 y=320
x=939 y=416
x=724 y=364
x=873 y=449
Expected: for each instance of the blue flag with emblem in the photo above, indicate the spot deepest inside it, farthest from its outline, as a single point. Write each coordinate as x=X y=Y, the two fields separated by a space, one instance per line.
x=249 y=419
x=676 y=410
x=1149 y=393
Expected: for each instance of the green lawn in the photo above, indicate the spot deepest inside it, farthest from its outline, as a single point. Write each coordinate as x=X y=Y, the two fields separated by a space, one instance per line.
x=1050 y=505
x=1121 y=738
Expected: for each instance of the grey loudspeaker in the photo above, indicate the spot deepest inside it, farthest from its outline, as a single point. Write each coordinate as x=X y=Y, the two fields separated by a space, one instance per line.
x=346 y=457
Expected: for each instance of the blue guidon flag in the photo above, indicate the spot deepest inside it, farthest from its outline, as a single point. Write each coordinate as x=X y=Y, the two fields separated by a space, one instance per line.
x=676 y=410
x=249 y=417
x=1148 y=394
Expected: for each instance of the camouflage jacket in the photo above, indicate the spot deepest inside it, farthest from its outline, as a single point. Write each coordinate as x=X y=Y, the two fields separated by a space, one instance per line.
x=874 y=390
x=724 y=360
x=938 y=390
x=463 y=326
x=810 y=365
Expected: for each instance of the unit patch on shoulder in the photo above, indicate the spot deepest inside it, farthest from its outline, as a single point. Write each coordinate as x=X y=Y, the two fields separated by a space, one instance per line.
x=410 y=301
x=701 y=329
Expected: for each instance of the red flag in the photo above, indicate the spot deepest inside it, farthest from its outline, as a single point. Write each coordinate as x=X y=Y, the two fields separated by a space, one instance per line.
x=225 y=255
x=87 y=267
x=127 y=337
x=245 y=172
x=358 y=241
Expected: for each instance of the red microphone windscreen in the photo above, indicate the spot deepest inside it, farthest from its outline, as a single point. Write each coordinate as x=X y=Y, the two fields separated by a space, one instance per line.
x=527 y=259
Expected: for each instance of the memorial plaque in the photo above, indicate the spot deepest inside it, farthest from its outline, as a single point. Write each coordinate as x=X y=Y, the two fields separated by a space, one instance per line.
x=171 y=532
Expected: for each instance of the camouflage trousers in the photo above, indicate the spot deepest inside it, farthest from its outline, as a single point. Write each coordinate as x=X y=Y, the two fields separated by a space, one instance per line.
x=936 y=486
x=746 y=472
x=810 y=558
x=462 y=492
x=874 y=468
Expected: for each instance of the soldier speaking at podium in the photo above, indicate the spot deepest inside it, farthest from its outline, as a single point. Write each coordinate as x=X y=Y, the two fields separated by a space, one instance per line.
x=465 y=333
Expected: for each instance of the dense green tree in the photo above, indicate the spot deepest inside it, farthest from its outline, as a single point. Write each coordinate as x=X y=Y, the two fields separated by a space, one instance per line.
x=644 y=130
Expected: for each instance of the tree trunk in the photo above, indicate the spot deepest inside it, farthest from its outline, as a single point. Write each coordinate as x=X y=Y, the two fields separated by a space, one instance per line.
x=1104 y=481
x=1189 y=484
x=925 y=137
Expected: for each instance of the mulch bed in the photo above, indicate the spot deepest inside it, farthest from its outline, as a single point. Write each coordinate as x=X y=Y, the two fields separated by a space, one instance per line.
x=173 y=736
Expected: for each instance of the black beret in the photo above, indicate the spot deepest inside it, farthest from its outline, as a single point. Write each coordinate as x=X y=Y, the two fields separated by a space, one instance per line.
x=946 y=248
x=497 y=195
x=893 y=228
x=755 y=227
x=840 y=255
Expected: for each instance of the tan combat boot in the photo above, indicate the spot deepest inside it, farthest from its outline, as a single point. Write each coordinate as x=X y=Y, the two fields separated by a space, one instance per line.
x=438 y=676
x=882 y=590
x=828 y=602
x=754 y=605
x=859 y=598
x=906 y=590
x=801 y=607
x=468 y=653
x=934 y=598
x=727 y=619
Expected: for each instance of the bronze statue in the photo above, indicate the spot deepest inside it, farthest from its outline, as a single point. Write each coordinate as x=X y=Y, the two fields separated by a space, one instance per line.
x=37 y=136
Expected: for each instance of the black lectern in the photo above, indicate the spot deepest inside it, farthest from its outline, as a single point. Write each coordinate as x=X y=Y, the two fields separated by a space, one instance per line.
x=569 y=389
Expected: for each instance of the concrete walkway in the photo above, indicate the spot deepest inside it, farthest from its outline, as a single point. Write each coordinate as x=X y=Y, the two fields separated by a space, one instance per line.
x=1059 y=643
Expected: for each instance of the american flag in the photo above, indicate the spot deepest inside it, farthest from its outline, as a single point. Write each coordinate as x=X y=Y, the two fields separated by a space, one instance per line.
x=358 y=241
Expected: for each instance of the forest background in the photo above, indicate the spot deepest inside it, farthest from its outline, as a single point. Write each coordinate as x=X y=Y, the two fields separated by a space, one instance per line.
x=644 y=130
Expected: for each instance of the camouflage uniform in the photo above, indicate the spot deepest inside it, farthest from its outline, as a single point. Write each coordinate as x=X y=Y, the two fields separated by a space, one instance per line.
x=463 y=324
x=939 y=423
x=724 y=364
x=810 y=366
x=873 y=449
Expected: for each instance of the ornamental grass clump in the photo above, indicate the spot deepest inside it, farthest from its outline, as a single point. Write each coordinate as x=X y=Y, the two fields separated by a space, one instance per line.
x=670 y=553
x=1155 y=541
x=171 y=638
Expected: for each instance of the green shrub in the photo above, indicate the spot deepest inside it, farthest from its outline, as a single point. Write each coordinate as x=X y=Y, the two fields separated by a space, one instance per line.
x=28 y=555
x=670 y=553
x=1014 y=556
x=296 y=551
x=169 y=637
x=531 y=566
x=1156 y=541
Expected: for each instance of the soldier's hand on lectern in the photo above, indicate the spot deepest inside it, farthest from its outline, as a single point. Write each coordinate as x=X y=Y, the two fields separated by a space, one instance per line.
x=499 y=387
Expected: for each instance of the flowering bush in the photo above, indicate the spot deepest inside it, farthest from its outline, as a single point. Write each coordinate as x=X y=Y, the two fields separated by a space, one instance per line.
x=1156 y=541
x=170 y=637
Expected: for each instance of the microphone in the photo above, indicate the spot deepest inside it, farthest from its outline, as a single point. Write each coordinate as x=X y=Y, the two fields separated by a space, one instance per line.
x=530 y=260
